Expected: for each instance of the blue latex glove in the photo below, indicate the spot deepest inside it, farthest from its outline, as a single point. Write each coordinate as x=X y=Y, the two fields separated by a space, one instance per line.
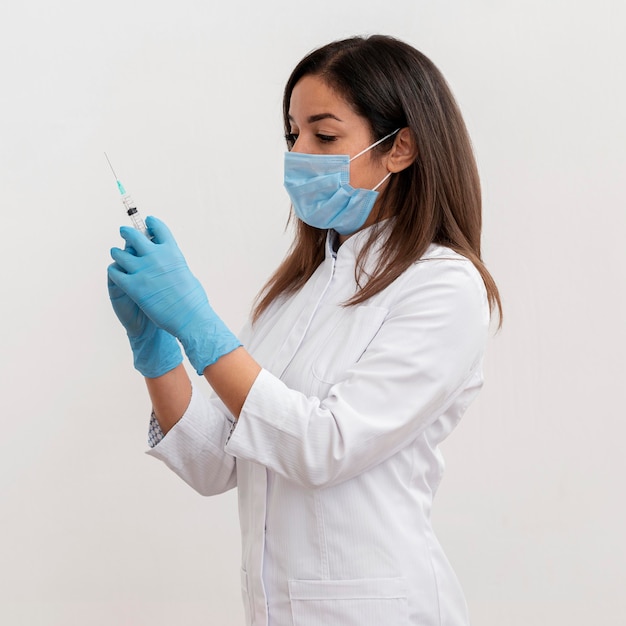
x=155 y=275
x=155 y=351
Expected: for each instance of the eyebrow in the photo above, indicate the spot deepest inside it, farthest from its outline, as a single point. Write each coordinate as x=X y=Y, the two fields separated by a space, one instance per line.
x=319 y=116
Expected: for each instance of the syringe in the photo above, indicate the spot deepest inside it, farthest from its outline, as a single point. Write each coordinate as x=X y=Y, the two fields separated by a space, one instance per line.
x=129 y=204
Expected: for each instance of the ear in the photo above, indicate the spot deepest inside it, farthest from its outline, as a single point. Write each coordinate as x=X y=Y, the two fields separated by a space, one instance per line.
x=403 y=151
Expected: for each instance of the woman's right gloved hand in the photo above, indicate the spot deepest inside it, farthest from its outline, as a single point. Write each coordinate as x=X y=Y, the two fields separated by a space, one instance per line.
x=155 y=275
x=155 y=351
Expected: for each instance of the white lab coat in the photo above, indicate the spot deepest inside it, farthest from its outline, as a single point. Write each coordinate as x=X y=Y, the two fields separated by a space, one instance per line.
x=335 y=455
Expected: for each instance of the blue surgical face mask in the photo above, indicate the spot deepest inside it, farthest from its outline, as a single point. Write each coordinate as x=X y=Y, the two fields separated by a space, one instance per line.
x=320 y=190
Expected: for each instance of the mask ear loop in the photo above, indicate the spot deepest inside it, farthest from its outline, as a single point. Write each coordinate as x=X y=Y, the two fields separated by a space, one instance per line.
x=373 y=146
x=381 y=182
x=356 y=156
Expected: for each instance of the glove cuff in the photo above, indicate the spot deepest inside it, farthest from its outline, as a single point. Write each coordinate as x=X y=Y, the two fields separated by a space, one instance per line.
x=155 y=354
x=208 y=341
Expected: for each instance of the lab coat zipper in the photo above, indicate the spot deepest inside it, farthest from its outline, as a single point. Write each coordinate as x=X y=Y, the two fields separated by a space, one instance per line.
x=300 y=327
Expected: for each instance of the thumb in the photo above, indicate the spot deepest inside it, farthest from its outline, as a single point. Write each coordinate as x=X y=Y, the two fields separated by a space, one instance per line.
x=161 y=233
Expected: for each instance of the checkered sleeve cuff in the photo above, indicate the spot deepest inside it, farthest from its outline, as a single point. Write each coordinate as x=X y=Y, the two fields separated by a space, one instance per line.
x=233 y=424
x=155 y=434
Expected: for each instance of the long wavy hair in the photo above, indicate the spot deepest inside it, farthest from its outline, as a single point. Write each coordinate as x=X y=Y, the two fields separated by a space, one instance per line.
x=437 y=199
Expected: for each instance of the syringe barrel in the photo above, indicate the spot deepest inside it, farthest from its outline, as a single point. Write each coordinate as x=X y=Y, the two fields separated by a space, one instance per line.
x=133 y=213
x=137 y=221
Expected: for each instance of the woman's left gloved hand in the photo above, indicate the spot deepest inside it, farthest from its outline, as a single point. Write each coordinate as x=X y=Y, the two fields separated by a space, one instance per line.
x=155 y=275
x=155 y=351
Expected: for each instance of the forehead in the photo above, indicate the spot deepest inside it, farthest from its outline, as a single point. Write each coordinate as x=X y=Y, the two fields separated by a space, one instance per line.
x=312 y=96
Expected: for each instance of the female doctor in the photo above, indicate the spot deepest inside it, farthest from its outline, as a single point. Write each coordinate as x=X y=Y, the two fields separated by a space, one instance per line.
x=363 y=351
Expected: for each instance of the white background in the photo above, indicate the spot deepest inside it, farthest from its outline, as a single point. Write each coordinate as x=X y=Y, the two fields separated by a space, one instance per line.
x=185 y=98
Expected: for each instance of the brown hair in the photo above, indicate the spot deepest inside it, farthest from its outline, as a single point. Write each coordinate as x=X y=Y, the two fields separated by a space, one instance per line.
x=436 y=199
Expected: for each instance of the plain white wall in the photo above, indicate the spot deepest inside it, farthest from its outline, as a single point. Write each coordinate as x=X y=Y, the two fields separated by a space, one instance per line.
x=185 y=98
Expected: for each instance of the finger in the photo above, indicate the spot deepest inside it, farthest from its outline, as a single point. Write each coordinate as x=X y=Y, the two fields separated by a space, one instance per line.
x=136 y=240
x=126 y=262
x=161 y=233
x=114 y=290
x=117 y=277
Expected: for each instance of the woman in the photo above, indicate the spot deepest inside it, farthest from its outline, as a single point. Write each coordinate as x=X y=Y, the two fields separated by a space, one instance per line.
x=363 y=351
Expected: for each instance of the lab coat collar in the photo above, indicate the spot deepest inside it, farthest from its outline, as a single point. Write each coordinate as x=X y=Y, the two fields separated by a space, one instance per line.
x=350 y=248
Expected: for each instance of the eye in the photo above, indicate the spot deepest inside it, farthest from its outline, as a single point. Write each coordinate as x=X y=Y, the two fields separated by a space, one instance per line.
x=291 y=139
x=326 y=138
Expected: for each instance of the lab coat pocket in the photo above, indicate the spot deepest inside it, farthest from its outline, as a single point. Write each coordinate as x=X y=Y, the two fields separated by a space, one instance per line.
x=364 y=602
x=353 y=331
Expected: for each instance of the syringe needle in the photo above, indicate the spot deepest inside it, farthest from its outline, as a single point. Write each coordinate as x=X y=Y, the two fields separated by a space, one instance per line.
x=109 y=162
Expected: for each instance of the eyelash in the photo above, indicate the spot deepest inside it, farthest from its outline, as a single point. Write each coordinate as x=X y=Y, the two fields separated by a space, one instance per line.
x=291 y=138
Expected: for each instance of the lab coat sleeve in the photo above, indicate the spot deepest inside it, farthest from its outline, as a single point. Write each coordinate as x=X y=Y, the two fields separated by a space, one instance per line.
x=194 y=447
x=427 y=351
